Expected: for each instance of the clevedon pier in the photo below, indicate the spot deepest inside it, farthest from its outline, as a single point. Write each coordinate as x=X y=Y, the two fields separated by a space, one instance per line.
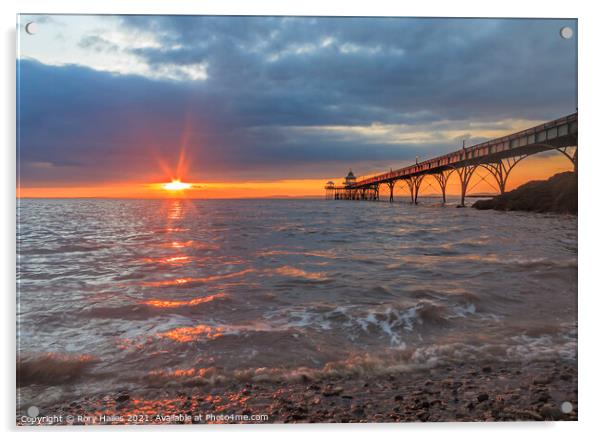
x=498 y=156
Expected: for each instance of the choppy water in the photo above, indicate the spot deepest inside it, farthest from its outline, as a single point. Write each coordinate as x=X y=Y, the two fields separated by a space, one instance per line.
x=139 y=294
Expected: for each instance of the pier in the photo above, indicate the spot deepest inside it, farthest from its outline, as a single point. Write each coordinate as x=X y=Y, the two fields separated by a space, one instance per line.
x=498 y=156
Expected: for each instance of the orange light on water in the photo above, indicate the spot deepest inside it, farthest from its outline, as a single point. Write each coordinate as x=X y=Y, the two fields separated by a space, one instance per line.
x=176 y=185
x=174 y=304
x=190 y=334
x=175 y=259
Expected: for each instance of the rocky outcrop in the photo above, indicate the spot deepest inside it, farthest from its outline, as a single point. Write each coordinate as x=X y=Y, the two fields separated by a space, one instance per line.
x=558 y=194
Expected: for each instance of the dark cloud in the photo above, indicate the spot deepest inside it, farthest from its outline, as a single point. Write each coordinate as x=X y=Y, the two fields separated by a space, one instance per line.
x=274 y=84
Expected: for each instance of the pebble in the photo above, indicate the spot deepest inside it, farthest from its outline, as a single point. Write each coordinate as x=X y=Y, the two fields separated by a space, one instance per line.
x=335 y=391
x=550 y=412
x=450 y=396
x=483 y=397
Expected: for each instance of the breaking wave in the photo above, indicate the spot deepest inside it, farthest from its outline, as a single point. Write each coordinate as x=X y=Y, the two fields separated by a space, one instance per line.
x=52 y=368
x=370 y=364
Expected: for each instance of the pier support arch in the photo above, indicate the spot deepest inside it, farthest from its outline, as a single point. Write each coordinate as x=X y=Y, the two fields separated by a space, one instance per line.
x=442 y=179
x=391 y=185
x=465 y=173
x=568 y=151
x=570 y=156
x=414 y=185
x=501 y=170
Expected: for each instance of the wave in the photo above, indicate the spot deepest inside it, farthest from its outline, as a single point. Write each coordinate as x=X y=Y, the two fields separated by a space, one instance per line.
x=278 y=252
x=53 y=368
x=392 y=321
x=195 y=281
x=293 y=272
x=61 y=249
x=373 y=364
x=532 y=263
x=146 y=309
x=211 y=331
x=164 y=303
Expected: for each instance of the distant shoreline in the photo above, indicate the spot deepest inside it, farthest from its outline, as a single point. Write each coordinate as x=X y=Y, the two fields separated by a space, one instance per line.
x=309 y=197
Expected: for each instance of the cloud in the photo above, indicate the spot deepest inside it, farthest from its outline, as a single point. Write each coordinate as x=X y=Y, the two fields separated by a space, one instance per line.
x=273 y=97
x=97 y=44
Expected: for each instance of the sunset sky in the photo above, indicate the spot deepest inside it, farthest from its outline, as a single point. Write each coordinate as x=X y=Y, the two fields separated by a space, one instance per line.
x=114 y=106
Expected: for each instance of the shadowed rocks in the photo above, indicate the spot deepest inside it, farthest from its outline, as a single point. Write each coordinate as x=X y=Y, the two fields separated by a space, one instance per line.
x=558 y=194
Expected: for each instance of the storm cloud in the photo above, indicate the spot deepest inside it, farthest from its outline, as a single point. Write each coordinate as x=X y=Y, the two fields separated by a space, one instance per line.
x=282 y=97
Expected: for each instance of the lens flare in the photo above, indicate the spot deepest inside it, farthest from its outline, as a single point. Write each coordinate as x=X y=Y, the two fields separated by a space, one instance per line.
x=176 y=185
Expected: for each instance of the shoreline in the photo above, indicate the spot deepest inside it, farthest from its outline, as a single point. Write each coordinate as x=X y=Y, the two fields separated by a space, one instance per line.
x=498 y=391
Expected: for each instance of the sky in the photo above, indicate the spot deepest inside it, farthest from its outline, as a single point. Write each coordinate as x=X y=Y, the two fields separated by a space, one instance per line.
x=112 y=106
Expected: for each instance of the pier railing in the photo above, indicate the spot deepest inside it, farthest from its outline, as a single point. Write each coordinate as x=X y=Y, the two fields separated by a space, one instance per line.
x=498 y=156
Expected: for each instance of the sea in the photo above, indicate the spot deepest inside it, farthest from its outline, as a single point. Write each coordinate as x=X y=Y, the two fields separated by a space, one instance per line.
x=151 y=295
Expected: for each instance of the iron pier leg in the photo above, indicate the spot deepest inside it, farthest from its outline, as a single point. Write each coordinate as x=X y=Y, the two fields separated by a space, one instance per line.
x=417 y=187
x=442 y=179
x=414 y=185
x=465 y=174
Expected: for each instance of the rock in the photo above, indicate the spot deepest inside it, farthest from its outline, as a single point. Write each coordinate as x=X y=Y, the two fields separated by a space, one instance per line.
x=529 y=415
x=358 y=411
x=447 y=383
x=423 y=416
x=398 y=398
x=557 y=194
x=541 y=381
x=122 y=398
x=487 y=369
x=335 y=391
x=550 y=412
x=483 y=397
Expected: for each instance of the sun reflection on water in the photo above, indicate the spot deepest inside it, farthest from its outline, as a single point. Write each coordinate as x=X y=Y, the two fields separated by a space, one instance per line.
x=173 y=304
x=188 y=280
x=189 y=334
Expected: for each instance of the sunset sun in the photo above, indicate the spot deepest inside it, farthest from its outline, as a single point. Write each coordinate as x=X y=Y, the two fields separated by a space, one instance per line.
x=176 y=185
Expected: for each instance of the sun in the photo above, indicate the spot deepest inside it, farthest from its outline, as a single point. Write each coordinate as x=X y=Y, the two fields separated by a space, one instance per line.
x=176 y=185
